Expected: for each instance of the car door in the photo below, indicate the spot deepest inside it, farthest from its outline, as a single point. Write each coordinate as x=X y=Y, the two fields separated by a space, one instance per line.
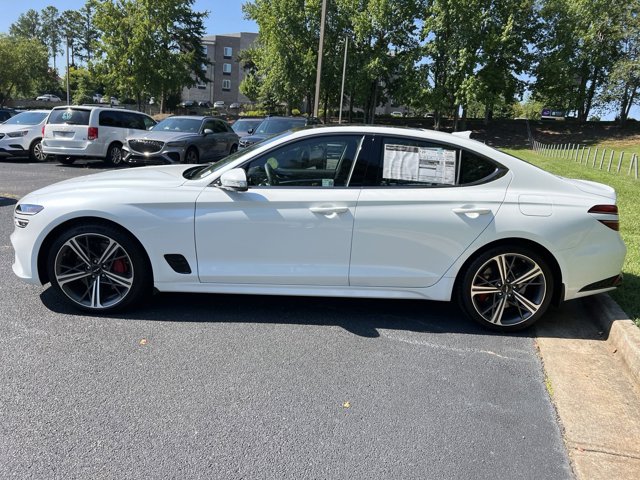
x=294 y=224
x=208 y=143
x=423 y=204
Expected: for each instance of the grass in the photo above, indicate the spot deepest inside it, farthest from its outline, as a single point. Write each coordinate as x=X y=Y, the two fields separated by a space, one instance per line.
x=628 y=189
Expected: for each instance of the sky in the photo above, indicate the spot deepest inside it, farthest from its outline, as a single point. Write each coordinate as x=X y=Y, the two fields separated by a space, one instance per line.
x=225 y=16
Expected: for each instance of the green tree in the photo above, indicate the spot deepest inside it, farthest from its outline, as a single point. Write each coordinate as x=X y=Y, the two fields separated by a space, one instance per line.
x=577 y=48
x=51 y=33
x=71 y=25
x=28 y=25
x=150 y=47
x=22 y=62
x=88 y=37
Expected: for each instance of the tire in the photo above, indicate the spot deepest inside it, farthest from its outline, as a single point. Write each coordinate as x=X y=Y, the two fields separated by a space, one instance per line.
x=35 y=151
x=192 y=155
x=87 y=282
x=114 y=155
x=506 y=288
x=66 y=160
x=233 y=149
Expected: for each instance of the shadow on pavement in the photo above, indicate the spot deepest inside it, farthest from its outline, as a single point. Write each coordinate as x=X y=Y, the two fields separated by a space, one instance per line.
x=362 y=317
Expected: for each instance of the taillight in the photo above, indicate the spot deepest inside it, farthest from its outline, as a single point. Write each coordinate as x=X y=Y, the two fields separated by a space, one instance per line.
x=93 y=133
x=609 y=210
x=42 y=131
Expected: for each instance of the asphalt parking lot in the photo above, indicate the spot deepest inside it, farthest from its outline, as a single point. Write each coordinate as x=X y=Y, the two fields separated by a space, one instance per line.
x=222 y=386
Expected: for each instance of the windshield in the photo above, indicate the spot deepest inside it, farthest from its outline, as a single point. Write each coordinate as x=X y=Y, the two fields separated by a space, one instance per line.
x=271 y=126
x=27 y=118
x=197 y=173
x=245 y=125
x=171 y=124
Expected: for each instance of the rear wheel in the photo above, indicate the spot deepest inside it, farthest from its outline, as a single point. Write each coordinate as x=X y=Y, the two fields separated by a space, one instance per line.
x=233 y=149
x=98 y=268
x=114 y=155
x=506 y=288
x=35 y=152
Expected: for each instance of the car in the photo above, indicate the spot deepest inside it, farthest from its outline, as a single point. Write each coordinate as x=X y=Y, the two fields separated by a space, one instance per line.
x=49 y=97
x=97 y=97
x=85 y=131
x=6 y=114
x=181 y=139
x=274 y=125
x=235 y=106
x=187 y=104
x=109 y=100
x=246 y=126
x=218 y=104
x=21 y=135
x=206 y=104
x=345 y=211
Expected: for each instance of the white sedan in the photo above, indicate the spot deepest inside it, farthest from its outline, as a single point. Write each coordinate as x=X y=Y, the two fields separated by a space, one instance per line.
x=331 y=211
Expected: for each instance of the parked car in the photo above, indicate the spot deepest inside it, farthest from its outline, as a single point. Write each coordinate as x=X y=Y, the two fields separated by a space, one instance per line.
x=246 y=126
x=92 y=132
x=6 y=114
x=182 y=139
x=109 y=100
x=337 y=211
x=235 y=106
x=205 y=104
x=218 y=104
x=97 y=97
x=21 y=135
x=49 y=97
x=187 y=104
x=274 y=125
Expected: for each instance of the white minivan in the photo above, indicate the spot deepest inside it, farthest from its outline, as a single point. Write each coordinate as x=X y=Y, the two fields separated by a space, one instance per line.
x=72 y=132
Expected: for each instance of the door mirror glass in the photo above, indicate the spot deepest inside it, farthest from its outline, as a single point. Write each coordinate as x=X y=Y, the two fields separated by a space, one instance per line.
x=207 y=131
x=234 y=180
x=250 y=131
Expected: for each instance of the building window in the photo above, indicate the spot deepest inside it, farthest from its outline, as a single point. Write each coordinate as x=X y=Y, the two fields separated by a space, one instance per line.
x=228 y=52
x=226 y=84
x=226 y=68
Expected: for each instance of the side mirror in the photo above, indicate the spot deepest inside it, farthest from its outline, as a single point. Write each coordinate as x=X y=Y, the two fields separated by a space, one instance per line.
x=250 y=131
x=234 y=180
x=207 y=131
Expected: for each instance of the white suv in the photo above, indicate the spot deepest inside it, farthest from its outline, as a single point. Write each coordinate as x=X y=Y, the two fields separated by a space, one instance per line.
x=91 y=132
x=20 y=135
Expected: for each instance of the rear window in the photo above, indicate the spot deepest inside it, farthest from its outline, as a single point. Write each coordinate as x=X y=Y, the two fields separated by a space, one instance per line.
x=70 y=116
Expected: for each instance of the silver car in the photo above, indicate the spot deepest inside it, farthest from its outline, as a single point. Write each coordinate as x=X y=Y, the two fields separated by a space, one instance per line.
x=181 y=139
x=21 y=135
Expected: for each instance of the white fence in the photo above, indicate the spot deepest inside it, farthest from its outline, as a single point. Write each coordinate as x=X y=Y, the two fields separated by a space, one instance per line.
x=591 y=157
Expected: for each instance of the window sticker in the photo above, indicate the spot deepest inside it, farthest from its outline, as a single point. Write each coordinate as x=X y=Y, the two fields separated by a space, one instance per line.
x=418 y=164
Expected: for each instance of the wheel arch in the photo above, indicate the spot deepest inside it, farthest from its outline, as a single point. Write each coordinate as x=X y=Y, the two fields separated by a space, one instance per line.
x=47 y=243
x=558 y=288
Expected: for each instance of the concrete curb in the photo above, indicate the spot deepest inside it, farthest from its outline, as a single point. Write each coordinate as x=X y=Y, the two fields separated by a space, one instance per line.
x=621 y=332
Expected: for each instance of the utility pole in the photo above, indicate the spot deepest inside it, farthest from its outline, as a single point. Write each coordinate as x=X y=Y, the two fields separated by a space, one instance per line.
x=316 y=100
x=344 y=71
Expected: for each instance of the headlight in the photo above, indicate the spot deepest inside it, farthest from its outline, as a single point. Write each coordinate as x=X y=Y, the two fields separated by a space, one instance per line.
x=178 y=143
x=28 y=209
x=21 y=133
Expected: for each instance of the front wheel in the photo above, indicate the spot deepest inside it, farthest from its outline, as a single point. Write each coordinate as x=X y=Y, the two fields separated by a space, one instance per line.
x=98 y=268
x=192 y=156
x=35 y=152
x=506 y=288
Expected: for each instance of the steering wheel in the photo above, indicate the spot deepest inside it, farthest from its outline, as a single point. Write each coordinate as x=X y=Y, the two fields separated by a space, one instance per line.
x=271 y=175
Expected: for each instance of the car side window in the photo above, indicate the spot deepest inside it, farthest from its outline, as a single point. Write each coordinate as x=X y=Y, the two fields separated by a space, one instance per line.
x=148 y=122
x=418 y=163
x=135 y=121
x=317 y=162
x=218 y=127
x=107 y=119
x=210 y=125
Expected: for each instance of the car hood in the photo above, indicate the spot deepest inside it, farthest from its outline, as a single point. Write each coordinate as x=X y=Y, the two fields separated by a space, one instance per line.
x=163 y=136
x=255 y=138
x=593 y=188
x=133 y=179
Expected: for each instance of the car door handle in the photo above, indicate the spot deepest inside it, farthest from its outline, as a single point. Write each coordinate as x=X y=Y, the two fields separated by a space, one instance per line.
x=329 y=210
x=472 y=211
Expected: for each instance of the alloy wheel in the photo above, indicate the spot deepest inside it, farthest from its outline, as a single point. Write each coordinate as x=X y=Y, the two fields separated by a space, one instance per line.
x=508 y=289
x=94 y=271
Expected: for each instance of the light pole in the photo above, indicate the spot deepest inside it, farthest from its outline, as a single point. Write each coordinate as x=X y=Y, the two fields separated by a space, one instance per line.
x=344 y=71
x=316 y=101
x=68 y=96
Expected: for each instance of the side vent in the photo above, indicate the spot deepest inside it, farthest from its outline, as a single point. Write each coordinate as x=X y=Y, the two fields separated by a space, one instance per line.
x=178 y=263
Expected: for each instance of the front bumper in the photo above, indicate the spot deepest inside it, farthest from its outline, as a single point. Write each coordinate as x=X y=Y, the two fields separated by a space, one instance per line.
x=166 y=156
